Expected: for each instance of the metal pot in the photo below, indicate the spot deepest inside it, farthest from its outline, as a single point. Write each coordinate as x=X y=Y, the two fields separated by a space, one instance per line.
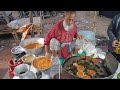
x=29 y=61
x=18 y=52
x=35 y=51
x=110 y=62
x=23 y=72
x=43 y=70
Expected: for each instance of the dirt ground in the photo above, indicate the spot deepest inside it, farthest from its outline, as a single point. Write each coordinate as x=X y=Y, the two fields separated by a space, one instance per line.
x=7 y=41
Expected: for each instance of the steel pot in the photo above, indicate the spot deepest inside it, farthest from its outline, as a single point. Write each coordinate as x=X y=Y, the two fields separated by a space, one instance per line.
x=23 y=72
x=35 y=51
x=43 y=70
x=18 y=52
x=25 y=57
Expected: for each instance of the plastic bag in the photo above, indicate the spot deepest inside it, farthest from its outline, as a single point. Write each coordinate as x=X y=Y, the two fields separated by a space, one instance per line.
x=89 y=48
x=98 y=53
x=16 y=24
x=84 y=44
x=88 y=35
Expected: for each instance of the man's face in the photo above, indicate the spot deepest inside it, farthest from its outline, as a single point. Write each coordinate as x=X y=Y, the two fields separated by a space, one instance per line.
x=69 y=18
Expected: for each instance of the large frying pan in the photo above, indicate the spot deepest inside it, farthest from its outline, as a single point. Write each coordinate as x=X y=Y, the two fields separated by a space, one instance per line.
x=110 y=63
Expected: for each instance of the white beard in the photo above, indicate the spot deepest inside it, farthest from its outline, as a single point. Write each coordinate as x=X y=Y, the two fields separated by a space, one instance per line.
x=67 y=27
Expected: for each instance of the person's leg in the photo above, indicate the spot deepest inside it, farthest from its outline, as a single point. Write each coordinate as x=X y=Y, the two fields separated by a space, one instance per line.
x=54 y=52
x=54 y=46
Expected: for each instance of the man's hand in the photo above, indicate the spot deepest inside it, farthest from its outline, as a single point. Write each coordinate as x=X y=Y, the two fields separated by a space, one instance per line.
x=80 y=37
x=48 y=56
x=115 y=43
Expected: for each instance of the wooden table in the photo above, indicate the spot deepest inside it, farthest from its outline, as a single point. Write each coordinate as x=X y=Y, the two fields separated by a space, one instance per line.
x=4 y=29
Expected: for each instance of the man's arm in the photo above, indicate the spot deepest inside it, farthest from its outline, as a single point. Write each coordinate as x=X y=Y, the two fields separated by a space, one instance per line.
x=112 y=28
x=47 y=39
x=77 y=36
x=47 y=52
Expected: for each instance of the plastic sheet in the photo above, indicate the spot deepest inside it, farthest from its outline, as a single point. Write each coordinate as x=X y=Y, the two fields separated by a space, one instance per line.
x=16 y=24
x=88 y=35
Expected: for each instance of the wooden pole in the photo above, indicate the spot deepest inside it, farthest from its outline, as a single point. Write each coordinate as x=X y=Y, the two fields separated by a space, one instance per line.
x=41 y=18
x=94 y=21
x=41 y=22
x=31 y=21
x=31 y=16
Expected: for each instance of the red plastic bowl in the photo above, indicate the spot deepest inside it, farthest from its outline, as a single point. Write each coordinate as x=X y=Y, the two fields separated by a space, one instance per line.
x=12 y=65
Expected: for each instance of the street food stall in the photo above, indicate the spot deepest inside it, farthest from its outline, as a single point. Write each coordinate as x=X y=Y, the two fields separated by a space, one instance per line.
x=31 y=66
x=90 y=62
x=29 y=63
